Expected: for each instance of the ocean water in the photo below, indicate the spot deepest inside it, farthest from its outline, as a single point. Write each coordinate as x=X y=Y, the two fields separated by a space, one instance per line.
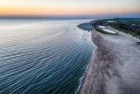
x=43 y=56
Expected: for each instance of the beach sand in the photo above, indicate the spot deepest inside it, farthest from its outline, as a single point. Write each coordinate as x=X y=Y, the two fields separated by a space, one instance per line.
x=115 y=65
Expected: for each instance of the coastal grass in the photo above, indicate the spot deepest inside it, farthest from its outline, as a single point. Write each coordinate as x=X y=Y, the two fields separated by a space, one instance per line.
x=116 y=24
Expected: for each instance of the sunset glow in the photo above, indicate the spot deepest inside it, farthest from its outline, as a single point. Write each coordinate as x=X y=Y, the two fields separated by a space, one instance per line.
x=68 y=7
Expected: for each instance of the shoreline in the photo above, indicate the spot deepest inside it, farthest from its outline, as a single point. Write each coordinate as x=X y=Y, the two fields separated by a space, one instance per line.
x=114 y=67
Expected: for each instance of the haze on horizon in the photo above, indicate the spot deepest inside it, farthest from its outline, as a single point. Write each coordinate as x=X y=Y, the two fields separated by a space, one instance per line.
x=68 y=7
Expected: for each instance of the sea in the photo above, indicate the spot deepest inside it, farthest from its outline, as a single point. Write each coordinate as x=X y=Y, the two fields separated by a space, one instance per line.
x=41 y=56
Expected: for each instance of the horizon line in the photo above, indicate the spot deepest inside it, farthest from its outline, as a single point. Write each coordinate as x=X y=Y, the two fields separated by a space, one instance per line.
x=137 y=15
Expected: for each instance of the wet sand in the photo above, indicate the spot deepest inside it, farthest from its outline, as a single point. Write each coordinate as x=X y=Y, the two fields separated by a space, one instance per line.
x=115 y=65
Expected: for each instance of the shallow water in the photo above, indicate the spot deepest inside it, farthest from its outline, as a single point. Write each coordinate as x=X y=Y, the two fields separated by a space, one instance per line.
x=42 y=57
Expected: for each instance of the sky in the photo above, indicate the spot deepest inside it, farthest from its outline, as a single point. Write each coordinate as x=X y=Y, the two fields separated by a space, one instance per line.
x=68 y=7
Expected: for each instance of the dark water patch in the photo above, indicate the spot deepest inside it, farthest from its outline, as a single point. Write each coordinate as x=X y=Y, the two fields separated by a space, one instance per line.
x=86 y=26
x=138 y=43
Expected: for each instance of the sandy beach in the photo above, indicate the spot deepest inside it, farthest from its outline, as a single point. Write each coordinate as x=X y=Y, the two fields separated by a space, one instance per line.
x=115 y=65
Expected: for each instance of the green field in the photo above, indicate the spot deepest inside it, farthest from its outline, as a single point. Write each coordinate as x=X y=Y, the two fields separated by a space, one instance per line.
x=129 y=26
x=127 y=21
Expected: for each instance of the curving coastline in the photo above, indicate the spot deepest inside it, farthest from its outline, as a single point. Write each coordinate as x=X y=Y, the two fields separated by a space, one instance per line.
x=115 y=66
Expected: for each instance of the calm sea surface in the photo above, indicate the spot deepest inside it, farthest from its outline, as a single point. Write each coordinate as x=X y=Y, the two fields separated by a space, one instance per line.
x=43 y=56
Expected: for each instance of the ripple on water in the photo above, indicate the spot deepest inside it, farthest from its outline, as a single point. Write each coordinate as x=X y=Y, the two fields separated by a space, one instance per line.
x=48 y=63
